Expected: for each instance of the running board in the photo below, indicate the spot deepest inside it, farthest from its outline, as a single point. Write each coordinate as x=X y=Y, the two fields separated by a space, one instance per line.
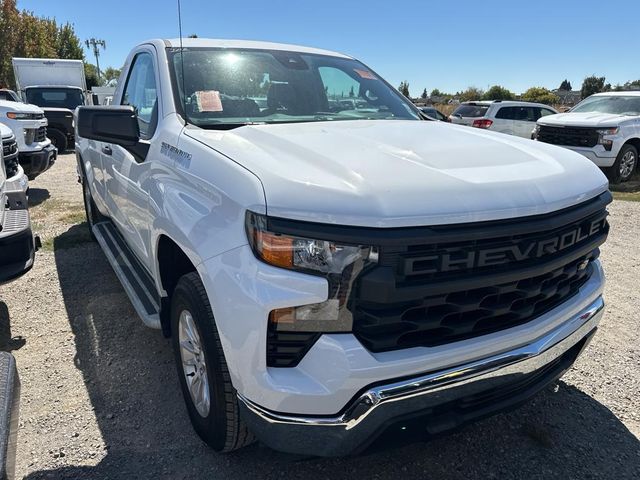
x=135 y=280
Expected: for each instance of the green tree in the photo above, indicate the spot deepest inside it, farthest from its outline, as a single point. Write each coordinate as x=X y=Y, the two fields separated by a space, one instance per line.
x=404 y=89
x=540 y=95
x=498 y=93
x=91 y=75
x=471 y=93
x=68 y=43
x=436 y=93
x=593 y=84
x=565 y=85
x=424 y=95
x=9 y=34
x=351 y=92
x=110 y=74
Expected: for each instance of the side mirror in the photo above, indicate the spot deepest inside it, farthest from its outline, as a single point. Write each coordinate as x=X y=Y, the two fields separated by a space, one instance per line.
x=117 y=125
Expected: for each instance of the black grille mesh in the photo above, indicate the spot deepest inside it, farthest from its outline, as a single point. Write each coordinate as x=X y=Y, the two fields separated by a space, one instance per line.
x=568 y=136
x=464 y=314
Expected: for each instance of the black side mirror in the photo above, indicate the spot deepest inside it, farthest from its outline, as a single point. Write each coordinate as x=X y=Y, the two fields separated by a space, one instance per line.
x=117 y=125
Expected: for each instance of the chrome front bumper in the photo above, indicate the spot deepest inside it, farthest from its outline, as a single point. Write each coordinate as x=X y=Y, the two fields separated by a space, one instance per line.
x=442 y=400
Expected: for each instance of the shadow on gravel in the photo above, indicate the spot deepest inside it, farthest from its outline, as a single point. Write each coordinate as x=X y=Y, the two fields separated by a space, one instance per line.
x=37 y=196
x=131 y=380
x=7 y=342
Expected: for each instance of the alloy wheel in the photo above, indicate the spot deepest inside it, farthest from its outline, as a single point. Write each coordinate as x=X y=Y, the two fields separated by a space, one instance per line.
x=194 y=365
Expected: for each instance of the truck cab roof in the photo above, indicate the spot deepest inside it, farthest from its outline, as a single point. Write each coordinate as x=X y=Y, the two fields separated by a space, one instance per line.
x=244 y=44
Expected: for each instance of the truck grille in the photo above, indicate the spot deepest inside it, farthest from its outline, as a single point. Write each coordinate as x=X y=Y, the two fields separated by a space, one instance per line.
x=568 y=136
x=41 y=134
x=10 y=153
x=463 y=284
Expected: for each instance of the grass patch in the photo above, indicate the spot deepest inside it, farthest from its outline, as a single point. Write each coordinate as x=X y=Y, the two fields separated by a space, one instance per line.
x=73 y=216
x=628 y=196
x=77 y=235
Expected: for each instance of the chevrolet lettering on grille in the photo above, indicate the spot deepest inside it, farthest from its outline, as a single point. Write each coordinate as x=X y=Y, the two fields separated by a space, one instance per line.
x=468 y=258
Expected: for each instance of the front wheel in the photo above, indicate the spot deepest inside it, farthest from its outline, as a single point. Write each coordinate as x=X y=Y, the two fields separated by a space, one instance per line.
x=204 y=377
x=624 y=166
x=58 y=139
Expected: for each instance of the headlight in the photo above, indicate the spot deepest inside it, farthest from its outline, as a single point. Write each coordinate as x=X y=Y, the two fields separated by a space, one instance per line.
x=19 y=116
x=339 y=264
x=607 y=143
x=608 y=131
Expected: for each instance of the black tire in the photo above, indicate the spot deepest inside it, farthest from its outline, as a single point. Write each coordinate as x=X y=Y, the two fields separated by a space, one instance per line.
x=58 y=139
x=620 y=171
x=91 y=211
x=221 y=428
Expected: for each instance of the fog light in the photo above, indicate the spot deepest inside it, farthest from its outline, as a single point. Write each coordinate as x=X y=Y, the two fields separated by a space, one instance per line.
x=322 y=317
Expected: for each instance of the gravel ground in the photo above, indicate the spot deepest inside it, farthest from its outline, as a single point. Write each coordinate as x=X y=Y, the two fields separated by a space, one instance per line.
x=100 y=395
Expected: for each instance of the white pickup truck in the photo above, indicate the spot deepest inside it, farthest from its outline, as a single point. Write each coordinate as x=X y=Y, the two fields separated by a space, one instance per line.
x=36 y=154
x=332 y=271
x=604 y=127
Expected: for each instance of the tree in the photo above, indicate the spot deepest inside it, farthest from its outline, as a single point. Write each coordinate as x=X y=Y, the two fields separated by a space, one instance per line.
x=68 y=43
x=471 y=93
x=110 y=74
x=91 y=75
x=351 y=92
x=404 y=89
x=498 y=93
x=193 y=35
x=436 y=93
x=540 y=95
x=593 y=84
x=9 y=34
x=565 y=85
x=424 y=95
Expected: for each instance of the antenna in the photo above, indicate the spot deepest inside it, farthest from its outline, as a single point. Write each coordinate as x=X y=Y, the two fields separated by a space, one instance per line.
x=184 y=92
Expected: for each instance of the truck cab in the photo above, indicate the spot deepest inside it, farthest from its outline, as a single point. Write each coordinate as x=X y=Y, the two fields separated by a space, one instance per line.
x=328 y=274
x=58 y=87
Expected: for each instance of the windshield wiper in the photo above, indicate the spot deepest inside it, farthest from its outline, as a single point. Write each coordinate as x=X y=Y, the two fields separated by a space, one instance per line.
x=226 y=126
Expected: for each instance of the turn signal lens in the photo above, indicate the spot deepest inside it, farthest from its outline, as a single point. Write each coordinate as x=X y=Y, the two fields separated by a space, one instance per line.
x=275 y=249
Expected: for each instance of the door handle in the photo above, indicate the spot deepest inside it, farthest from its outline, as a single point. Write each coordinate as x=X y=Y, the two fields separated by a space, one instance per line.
x=107 y=150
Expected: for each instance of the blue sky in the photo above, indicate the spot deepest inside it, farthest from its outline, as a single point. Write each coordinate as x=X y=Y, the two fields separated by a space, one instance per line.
x=445 y=44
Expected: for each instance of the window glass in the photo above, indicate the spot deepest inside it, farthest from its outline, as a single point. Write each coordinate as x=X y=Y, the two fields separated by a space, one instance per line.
x=52 y=97
x=525 y=114
x=470 y=110
x=141 y=92
x=616 y=104
x=225 y=88
x=506 y=113
x=545 y=111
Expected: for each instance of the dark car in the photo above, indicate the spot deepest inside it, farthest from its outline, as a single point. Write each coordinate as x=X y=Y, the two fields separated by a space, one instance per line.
x=434 y=113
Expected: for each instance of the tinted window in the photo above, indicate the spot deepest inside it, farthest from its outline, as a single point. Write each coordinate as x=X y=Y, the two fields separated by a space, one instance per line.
x=506 y=113
x=141 y=93
x=545 y=111
x=55 y=97
x=471 y=110
x=525 y=114
x=7 y=96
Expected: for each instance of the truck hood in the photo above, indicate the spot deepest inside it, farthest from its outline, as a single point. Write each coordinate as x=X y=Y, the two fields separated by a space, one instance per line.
x=587 y=119
x=404 y=173
x=19 y=107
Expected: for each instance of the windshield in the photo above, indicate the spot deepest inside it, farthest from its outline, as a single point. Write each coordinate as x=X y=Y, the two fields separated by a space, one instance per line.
x=470 y=110
x=616 y=104
x=55 y=97
x=236 y=87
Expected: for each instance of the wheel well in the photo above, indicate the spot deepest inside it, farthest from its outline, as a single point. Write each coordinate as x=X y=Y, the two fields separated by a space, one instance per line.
x=635 y=142
x=173 y=263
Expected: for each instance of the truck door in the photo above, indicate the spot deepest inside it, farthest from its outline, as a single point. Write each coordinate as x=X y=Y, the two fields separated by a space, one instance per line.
x=125 y=175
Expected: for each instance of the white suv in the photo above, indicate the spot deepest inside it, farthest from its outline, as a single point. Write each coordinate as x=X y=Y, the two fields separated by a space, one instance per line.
x=511 y=117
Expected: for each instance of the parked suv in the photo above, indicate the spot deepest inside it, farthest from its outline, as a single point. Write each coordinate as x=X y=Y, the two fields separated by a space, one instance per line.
x=329 y=276
x=16 y=178
x=510 y=117
x=604 y=127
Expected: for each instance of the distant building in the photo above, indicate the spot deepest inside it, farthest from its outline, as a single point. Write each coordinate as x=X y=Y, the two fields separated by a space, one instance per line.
x=568 y=97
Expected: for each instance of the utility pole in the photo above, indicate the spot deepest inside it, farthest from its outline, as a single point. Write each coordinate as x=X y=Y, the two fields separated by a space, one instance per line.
x=94 y=44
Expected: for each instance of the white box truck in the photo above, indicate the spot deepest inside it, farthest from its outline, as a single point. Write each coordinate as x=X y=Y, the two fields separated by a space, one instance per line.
x=58 y=87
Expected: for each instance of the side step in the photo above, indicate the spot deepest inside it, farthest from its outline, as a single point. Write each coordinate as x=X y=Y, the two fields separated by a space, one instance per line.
x=134 y=278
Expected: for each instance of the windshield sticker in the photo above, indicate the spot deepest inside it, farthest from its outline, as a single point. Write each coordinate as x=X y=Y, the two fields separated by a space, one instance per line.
x=181 y=157
x=365 y=74
x=209 y=101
